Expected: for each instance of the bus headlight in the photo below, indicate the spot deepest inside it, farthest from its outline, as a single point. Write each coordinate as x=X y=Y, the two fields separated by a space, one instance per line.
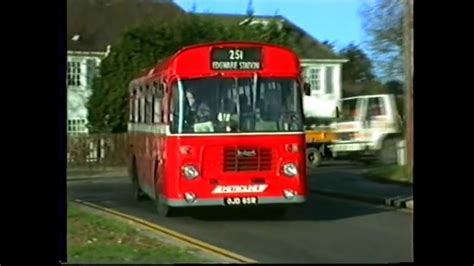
x=190 y=172
x=190 y=197
x=289 y=194
x=290 y=169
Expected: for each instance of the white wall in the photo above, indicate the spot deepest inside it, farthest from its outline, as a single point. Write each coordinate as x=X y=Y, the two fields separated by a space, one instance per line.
x=77 y=96
x=322 y=103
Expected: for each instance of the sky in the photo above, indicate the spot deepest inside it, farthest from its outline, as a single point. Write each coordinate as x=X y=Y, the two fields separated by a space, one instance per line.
x=333 y=20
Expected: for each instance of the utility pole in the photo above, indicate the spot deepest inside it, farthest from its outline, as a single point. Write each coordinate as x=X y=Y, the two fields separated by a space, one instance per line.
x=408 y=42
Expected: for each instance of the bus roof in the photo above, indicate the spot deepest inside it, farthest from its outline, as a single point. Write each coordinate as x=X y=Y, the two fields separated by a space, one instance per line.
x=195 y=62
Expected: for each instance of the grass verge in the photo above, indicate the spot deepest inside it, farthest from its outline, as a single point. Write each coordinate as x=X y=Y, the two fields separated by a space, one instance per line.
x=394 y=174
x=93 y=238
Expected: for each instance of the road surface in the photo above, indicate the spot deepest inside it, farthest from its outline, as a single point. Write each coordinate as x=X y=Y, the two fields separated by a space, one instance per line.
x=324 y=230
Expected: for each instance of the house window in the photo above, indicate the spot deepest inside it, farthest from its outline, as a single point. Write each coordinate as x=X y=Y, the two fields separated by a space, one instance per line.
x=74 y=73
x=329 y=80
x=76 y=126
x=314 y=78
x=91 y=71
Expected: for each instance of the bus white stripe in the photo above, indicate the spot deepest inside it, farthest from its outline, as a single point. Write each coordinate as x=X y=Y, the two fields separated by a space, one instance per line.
x=165 y=129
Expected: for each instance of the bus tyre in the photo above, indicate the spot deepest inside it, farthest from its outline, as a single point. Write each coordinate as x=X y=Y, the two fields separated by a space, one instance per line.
x=162 y=208
x=138 y=193
x=388 y=153
x=313 y=157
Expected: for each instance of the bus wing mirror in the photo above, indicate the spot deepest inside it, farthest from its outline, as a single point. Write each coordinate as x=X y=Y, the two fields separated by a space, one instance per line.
x=307 y=89
x=337 y=112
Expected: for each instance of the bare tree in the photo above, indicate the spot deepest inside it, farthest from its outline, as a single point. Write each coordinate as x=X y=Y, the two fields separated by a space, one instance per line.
x=194 y=7
x=250 y=10
x=383 y=21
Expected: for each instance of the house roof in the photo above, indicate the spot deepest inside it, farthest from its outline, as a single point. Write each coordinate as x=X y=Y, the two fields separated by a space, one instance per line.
x=309 y=47
x=98 y=23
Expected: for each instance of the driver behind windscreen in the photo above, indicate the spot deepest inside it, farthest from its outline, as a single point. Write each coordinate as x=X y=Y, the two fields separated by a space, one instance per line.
x=198 y=111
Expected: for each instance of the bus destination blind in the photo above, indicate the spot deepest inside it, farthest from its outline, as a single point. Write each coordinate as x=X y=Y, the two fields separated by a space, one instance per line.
x=236 y=59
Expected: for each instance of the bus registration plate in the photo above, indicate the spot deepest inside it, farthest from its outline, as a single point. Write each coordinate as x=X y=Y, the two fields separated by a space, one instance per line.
x=240 y=201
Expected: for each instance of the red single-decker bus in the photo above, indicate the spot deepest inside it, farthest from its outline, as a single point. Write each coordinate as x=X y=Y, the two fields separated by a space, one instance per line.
x=219 y=124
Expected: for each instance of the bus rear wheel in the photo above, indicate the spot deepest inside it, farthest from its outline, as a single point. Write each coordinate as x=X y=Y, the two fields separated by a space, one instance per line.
x=138 y=193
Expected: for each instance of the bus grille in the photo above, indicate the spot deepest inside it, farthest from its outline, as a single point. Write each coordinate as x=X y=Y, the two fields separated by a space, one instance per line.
x=241 y=159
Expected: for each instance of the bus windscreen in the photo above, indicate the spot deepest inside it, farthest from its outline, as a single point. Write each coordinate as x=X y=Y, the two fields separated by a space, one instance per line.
x=229 y=105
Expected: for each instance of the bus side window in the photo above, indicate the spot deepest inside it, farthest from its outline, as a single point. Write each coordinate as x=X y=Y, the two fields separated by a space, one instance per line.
x=137 y=106
x=141 y=113
x=156 y=100
x=148 y=106
x=145 y=104
x=164 y=93
x=132 y=105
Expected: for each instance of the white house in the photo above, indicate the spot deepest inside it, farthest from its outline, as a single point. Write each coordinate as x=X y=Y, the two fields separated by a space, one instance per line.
x=82 y=67
x=325 y=78
x=93 y=26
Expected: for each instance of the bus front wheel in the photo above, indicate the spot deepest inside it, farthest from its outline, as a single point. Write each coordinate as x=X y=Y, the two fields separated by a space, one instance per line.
x=163 y=209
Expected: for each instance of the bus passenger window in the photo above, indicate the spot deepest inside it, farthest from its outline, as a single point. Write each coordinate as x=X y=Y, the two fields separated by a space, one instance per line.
x=157 y=110
x=141 y=106
x=158 y=98
x=136 y=107
x=145 y=109
x=139 y=103
x=149 y=110
x=142 y=109
x=147 y=104
x=132 y=106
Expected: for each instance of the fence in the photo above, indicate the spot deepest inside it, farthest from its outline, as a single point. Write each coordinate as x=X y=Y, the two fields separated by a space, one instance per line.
x=97 y=150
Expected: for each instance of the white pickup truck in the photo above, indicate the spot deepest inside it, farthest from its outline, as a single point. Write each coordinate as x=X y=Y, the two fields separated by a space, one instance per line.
x=369 y=127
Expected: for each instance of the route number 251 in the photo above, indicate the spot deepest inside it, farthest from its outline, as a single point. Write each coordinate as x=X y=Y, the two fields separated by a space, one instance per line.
x=236 y=54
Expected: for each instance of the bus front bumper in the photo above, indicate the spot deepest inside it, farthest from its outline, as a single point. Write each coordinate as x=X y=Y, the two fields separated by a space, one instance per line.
x=222 y=201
